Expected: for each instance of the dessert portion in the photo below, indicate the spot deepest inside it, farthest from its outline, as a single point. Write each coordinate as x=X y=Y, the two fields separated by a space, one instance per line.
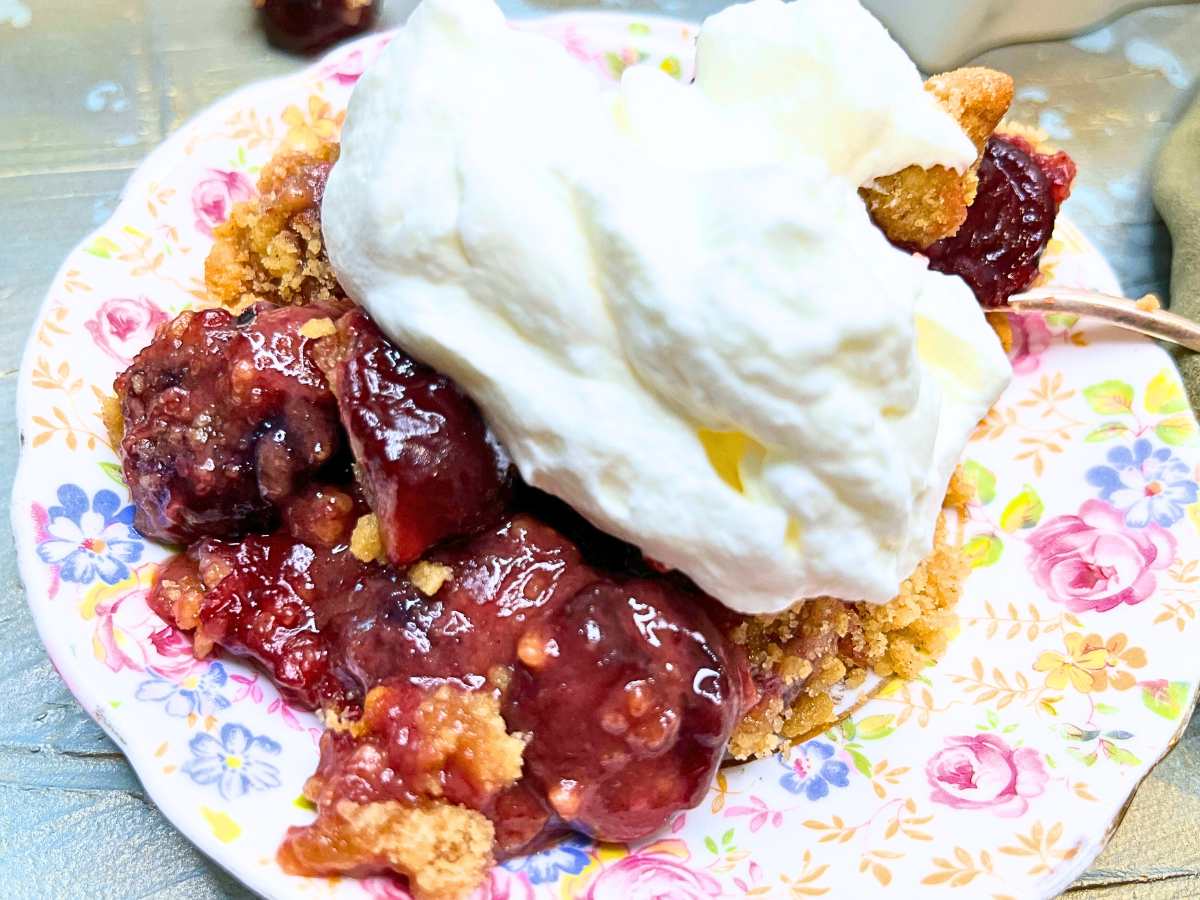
x=646 y=287
x=413 y=459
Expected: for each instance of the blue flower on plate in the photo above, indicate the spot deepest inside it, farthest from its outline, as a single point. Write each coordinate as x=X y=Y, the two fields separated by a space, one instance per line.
x=812 y=769
x=568 y=857
x=199 y=693
x=90 y=539
x=1148 y=485
x=236 y=762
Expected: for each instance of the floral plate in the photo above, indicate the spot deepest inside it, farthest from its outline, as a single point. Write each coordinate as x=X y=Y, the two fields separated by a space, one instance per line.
x=1002 y=771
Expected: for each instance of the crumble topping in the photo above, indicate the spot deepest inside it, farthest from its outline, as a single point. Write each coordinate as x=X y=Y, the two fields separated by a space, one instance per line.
x=460 y=728
x=442 y=847
x=444 y=850
x=366 y=542
x=429 y=576
x=920 y=206
x=318 y=328
x=822 y=643
x=271 y=247
x=113 y=420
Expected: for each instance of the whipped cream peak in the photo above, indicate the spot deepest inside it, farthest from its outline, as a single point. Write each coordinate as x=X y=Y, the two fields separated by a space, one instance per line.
x=822 y=78
x=668 y=300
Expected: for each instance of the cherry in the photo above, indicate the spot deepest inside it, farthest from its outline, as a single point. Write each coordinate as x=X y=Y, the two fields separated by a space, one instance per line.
x=224 y=418
x=306 y=26
x=999 y=246
x=426 y=461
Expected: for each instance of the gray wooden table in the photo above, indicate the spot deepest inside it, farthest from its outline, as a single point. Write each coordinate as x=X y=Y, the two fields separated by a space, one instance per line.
x=87 y=89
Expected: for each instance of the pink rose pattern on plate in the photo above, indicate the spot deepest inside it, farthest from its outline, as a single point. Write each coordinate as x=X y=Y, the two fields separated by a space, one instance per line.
x=1030 y=338
x=214 y=196
x=653 y=875
x=123 y=326
x=1074 y=666
x=983 y=772
x=128 y=635
x=1092 y=561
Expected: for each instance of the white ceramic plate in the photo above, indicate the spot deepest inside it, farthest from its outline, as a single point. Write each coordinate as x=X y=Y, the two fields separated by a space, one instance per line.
x=1002 y=772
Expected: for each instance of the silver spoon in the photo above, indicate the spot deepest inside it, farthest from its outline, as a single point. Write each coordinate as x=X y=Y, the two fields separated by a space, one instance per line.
x=1144 y=316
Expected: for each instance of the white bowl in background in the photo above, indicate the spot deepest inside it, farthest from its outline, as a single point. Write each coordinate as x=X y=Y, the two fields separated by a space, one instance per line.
x=941 y=34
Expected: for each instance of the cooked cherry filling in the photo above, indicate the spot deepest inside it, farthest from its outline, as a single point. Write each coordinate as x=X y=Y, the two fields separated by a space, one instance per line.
x=999 y=246
x=627 y=691
x=224 y=418
x=427 y=464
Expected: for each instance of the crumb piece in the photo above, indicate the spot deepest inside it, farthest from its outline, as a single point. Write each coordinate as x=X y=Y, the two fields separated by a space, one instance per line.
x=1003 y=328
x=831 y=672
x=1037 y=138
x=566 y=797
x=1148 y=303
x=366 y=542
x=336 y=720
x=177 y=597
x=809 y=715
x=179 y=594
x=114 y=421
x=960 y=492
x=458 y=732
x=464 y=730
x=977 y=97
x=445 y=851
x=271 y=247
x=500 y=677
x=823 y=644
x=318 y=328
x=449 y=736
x=429 y=576
x=202 y=644
x=535 y=649
x=919 y=206
x=758 y=733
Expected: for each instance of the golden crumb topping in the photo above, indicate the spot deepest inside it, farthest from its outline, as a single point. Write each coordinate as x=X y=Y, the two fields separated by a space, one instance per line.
x=445 y=851
x=429 y=576
x=920 y=206
x=823 y=644
x=114 y=421
x=366 y=541
x=318 y=328
x=466 y=727
x=271 y=248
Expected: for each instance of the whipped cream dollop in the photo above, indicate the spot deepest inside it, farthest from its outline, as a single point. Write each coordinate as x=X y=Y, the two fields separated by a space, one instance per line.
x=668 y=300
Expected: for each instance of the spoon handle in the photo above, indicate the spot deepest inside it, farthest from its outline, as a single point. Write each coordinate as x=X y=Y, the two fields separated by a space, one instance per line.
x=1142 y=316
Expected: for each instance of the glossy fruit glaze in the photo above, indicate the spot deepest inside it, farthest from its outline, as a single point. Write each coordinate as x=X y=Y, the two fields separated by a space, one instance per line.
x=225 y=416
x=999 y=246
x=626 y=689
x=426 y=462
